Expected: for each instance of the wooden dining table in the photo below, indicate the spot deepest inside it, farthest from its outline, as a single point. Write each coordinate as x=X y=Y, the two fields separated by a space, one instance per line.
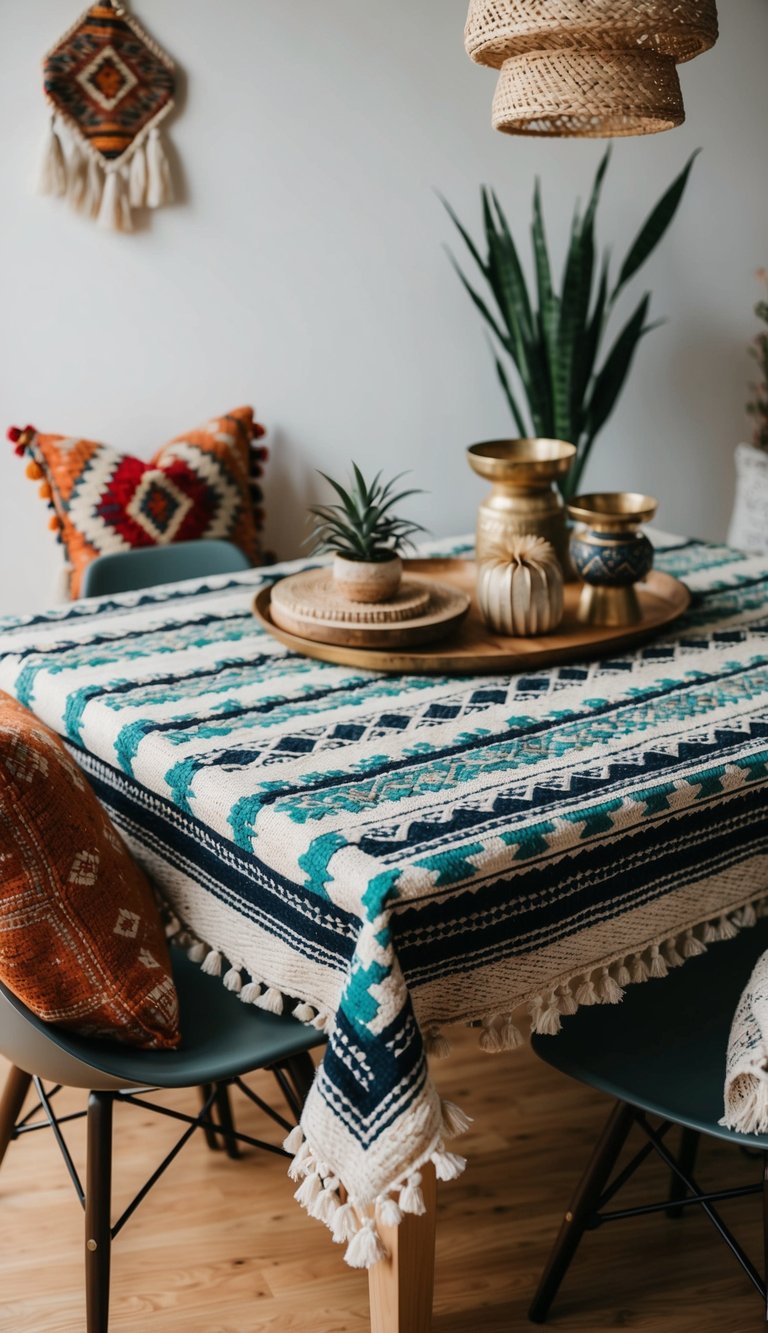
x=387 y=855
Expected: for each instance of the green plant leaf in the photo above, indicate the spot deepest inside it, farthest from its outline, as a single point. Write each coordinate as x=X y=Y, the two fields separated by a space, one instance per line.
x=481 y=306
x=515 y=410
x=610 y=380
x=465 y=236
x=654 y=227
x=509 y=287
x=549 y=313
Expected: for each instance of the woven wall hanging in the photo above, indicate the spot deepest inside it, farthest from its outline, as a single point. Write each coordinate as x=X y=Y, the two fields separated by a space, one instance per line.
x=588 y=68
x=108 y=86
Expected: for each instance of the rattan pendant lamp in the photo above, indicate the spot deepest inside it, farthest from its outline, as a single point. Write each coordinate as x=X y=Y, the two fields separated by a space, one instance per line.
x=588 y=68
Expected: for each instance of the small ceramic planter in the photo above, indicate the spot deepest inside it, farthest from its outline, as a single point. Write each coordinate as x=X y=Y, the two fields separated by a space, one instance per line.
x=367 y=580
x=611 y=555
x=749 y=522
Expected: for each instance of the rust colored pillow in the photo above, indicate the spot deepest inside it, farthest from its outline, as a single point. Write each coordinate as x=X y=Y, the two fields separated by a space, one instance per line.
x=81 y=941
x=205 y=483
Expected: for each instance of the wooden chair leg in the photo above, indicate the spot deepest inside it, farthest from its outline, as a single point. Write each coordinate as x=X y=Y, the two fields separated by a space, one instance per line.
x=15 y=1090
x=689 y=1144
x=98 y=1223
x=582 y=1207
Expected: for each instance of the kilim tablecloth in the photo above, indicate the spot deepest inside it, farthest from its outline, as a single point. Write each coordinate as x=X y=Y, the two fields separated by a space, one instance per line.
x=397 y=853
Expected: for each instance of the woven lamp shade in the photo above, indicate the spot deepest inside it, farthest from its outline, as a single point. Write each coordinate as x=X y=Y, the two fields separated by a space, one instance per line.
x=498 y=29
x=588 y=94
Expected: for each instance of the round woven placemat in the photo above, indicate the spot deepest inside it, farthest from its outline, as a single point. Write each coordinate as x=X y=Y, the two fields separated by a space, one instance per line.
x=592 y=94
x=313 y=595
x=498 y=29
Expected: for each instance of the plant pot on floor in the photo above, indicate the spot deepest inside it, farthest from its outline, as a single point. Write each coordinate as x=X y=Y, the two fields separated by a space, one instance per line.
x=748 y=530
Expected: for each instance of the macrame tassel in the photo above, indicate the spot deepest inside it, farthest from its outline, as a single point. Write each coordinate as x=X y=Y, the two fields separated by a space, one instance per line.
x=566 y=1002
x=366 y=1248
x=586 y=993
x=546 y=1020
x=250 y=993
x=304 y=1012
x=448 y=1165
x=271 y=1000
x=609 y=991
x=196 y=952
x=233 y=980
x=638 y=968
x=388 y=1212
x=52 y=178
x=327 y=1203
x=499 y=1034
x=322 y=1022
x=747 y=916
x=137 y=178
x=657 y=967
x=115 y=210
x=94 y=188
x=212 y=963
x=455 y=1122
x=300 y=1163
x=671 y=955
x=622 y=974
x=294 y=1140
x=308 y=1190
x=436 y=1044
x=411 y=1198
x=345 y=1223
x=159 y=184
x=692 y=946
x=77 y=179
x=726 y=929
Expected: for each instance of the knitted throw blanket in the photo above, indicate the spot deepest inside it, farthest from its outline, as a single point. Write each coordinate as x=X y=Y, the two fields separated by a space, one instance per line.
x=746 y=1069
x=387 y=855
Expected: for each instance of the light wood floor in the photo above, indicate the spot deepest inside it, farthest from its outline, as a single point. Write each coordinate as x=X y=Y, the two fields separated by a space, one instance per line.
x=220 y=1246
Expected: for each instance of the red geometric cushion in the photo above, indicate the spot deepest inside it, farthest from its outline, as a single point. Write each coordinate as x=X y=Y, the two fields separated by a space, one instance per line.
x=81 y=941
x=202 y=484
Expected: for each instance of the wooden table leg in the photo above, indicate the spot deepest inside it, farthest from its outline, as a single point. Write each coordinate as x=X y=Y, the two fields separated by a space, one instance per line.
x=400 y=1287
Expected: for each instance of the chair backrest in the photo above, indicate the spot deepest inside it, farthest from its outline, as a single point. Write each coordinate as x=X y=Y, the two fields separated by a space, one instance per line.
x=40 y=1049
x=124 y=571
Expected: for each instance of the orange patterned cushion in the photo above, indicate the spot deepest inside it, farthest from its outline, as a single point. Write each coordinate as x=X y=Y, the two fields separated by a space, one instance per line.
x=81 y=941
x=202 y=484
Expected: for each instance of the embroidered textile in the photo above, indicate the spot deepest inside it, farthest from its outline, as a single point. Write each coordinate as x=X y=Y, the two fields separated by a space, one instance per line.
x=400 y=853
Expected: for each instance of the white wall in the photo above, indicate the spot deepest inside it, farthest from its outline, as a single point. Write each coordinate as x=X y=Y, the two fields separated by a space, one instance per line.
x=305 y=270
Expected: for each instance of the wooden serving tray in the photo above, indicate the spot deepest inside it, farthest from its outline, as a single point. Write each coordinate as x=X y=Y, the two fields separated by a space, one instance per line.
x=473 y=649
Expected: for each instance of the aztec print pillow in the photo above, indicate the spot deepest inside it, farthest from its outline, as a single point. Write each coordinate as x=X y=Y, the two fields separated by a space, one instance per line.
x=202 y=484
x=81 y=941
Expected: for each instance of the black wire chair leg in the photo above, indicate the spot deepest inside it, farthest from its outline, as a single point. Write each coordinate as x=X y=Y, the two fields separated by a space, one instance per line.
x=301 y=1072
x=582 y=1207
x=689 y=1144
x=15 y=1090
x=98 y=1195
x=765 y=1232
x=226 y=1119
x=211 y=1137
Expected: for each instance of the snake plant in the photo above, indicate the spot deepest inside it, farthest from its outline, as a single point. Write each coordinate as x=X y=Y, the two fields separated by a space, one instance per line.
x=555 y=338
x=362 y=526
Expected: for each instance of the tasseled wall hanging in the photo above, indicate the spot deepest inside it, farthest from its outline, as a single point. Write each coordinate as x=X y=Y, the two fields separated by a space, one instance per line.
x=109 y=86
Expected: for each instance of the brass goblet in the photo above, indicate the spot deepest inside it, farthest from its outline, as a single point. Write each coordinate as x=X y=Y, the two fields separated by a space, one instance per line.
x=523 y=499
x=611 y=555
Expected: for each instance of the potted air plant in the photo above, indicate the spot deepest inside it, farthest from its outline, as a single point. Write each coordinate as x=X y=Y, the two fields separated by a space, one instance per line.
x=749 y=523
x=554 y=337
x=366 y=537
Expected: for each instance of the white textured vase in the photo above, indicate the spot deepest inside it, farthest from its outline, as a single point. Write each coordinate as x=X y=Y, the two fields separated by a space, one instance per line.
x=520 y=588
x=749 y=521
x=367 y=580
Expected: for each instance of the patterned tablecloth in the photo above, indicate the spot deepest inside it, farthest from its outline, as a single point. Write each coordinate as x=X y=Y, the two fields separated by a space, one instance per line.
x=395 y=854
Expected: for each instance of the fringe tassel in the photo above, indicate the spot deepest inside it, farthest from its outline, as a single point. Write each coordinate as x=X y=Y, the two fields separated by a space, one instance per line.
x=566 y=1001
x=299 y=1165
x=294 y=1140
x=77 y=178
x=250 y=993
x=94 y=188
x=671 y=955
x=436 y=1044
x=448 y=1165
x=366 y=1248
x=622 y=974
x=388 y=1212
x=345 y=1223
x=328 y=1203
x=196 y=952
x=586 y=993
x=608 y=990
x=308 y=1190
x=233 y=980
x=321 y=1021
x=159 y=189
x=137 y=178
x=638 y=970
x=455 y=1122
x=751 y=1115
x=499 y=1034
x=411 y=1198
x=271 y=1000
x=546 y=1019
x=726 y=929
x=52 y=177
x=212 y=963
x=657 y=967
x=115 y=210
x=691 y=946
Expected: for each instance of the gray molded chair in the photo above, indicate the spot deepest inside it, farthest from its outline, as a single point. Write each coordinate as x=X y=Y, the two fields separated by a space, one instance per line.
x=223 y=1039
x=660 y=1053
x=124 y=571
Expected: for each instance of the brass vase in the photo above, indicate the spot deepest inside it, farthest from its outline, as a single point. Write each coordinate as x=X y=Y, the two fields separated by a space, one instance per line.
x=611 y=555
x=524 y=499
